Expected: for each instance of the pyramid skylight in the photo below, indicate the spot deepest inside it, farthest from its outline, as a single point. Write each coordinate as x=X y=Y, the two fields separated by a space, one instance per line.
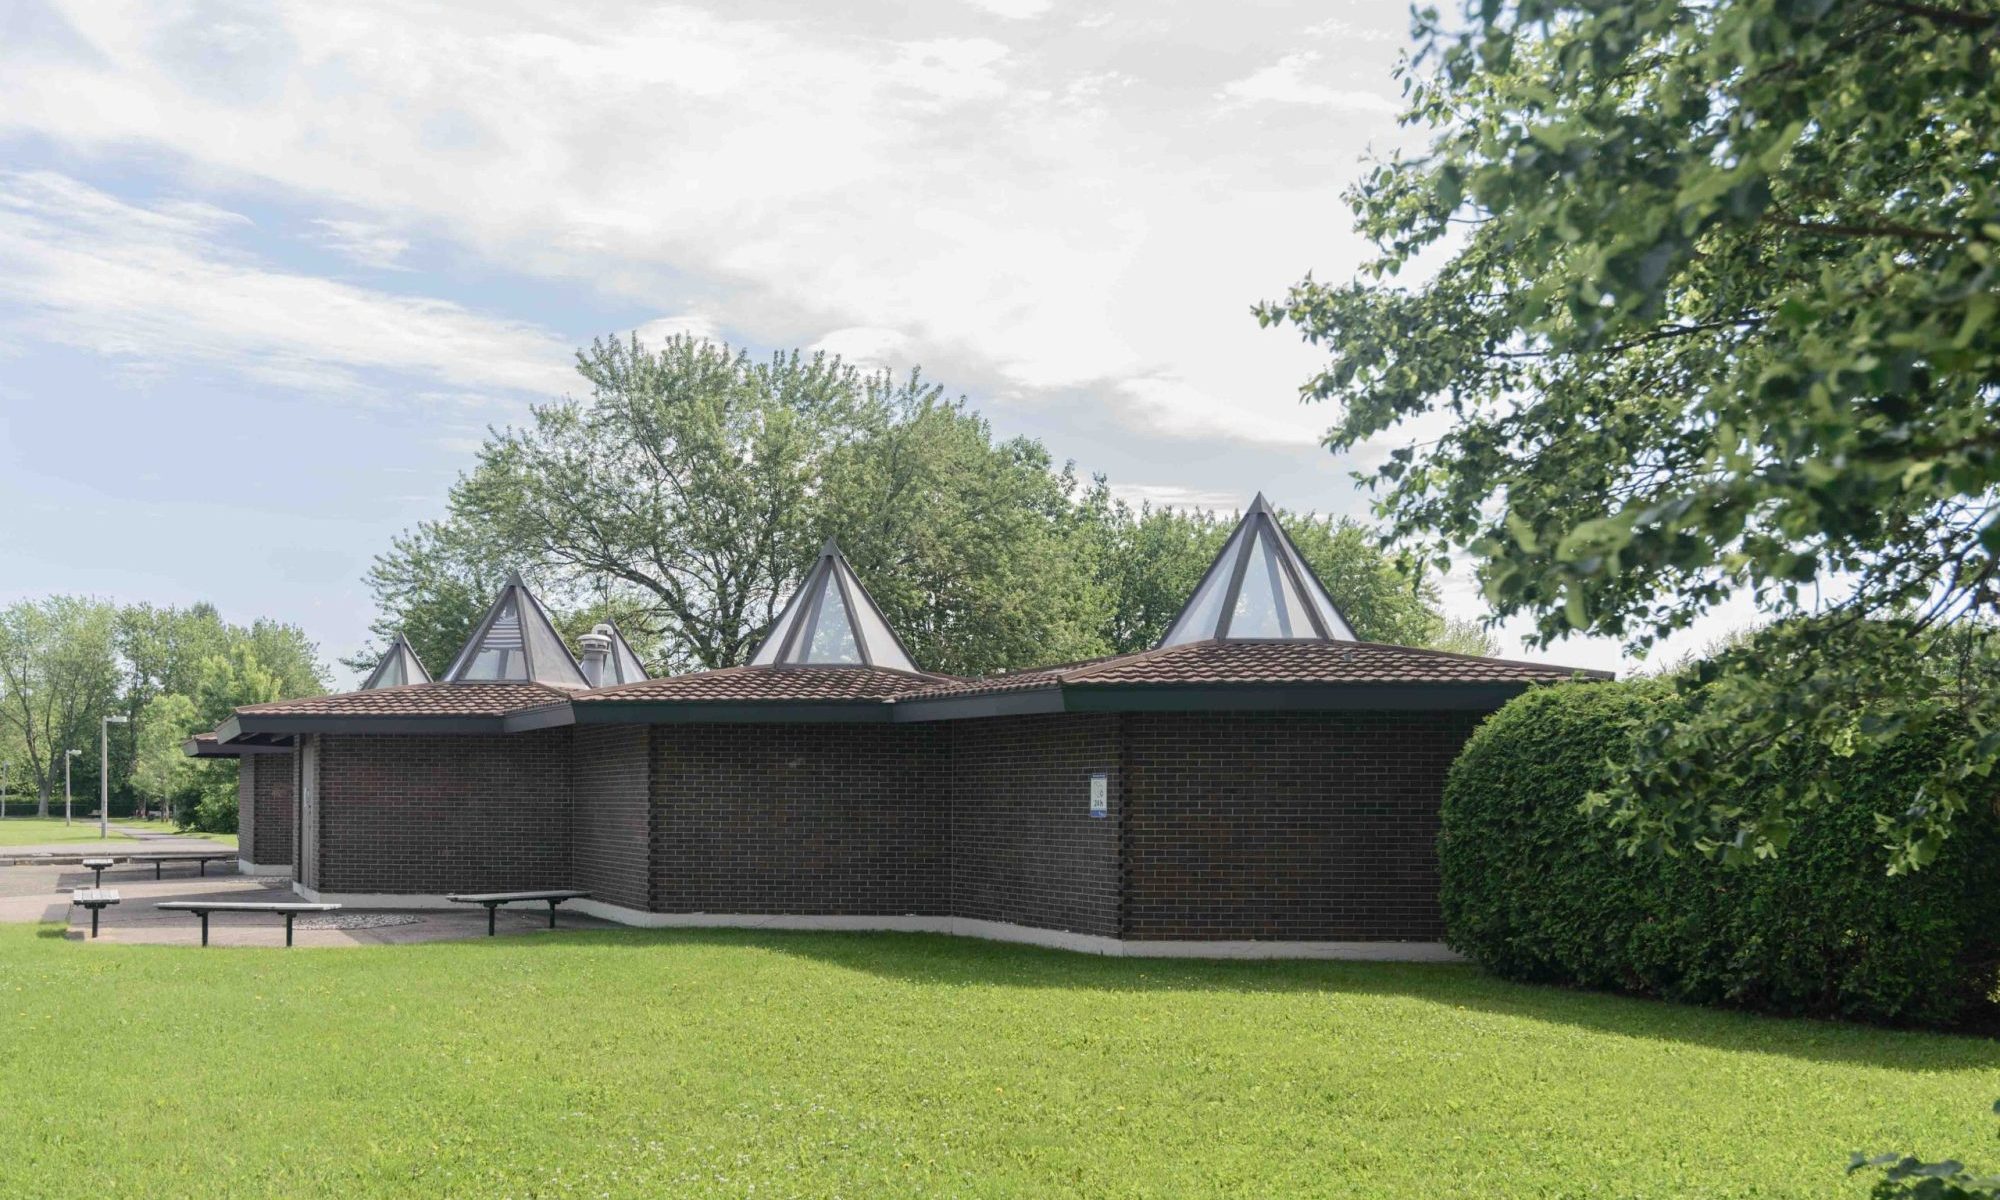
x=832 y=621
x=1259 y=589
x=619 y=664
x=398 y=667
x=516 y=643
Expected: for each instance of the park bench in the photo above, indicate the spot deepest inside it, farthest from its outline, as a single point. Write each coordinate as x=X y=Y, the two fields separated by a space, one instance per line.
x=202 y=908
x=202 y=860
x=96 y=900
x=493 y=901
x=98 y=865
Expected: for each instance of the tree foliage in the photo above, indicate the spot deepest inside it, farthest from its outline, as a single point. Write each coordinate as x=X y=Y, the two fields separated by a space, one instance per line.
x=1708 y=298
x=58 y=676
x=67 y=661
x=688 y=493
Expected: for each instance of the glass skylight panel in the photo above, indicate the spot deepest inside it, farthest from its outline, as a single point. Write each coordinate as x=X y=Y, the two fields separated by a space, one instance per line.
x=625 y=665
x=517 y=643
x=846 y=629
x=833 y=634
x=1258 y=588
x=883 y=648
x=1198 y=620
x=1259 y=611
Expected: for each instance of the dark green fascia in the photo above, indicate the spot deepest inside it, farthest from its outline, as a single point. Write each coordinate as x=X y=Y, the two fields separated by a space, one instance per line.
x=998 y=704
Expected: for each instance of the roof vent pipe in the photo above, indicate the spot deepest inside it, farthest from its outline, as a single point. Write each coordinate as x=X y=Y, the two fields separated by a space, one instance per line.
x=596 y=654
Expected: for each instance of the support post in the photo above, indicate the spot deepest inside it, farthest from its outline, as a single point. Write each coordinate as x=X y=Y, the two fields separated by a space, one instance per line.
x=203 y=914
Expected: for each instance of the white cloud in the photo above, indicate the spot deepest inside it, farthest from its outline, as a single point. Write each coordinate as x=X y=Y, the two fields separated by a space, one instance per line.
x=868 y=348
x=694 y=325
x=152 y=288
x=1168 y=495
x=1014 y=10
x=1286 y=82
x=1043 y=217
x=364 y=242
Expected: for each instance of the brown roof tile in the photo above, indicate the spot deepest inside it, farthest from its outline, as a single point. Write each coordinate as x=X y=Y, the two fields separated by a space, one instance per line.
x=741 y=684
x=419 y=700
x=1292 y=662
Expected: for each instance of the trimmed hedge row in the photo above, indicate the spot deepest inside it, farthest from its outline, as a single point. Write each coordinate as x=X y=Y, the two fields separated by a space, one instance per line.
x=1534 y=890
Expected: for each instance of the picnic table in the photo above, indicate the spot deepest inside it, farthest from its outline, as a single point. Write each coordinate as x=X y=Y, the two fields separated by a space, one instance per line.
x=493 y=901
x=98 y=865
x=202 y=908
x=96 y=900
x=202 y=860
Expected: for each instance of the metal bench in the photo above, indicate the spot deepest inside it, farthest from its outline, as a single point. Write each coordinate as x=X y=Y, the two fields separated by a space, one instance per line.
x=202 y=908
x=493 y=901
x=98 y=865
x=159 y=861
x=96 y=900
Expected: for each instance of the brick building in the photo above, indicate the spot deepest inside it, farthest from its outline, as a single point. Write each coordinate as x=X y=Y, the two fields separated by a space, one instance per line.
x=1261 y=782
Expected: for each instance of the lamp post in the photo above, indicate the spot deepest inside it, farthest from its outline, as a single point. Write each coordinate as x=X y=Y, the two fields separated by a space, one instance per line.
x=67 y=756
x=104 y=770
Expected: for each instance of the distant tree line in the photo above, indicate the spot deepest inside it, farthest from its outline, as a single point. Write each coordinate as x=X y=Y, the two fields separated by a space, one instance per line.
x=686 y=493
x=66 y=662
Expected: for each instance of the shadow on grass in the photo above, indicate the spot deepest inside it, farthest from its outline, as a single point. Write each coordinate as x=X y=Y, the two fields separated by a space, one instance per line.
x=927 y=959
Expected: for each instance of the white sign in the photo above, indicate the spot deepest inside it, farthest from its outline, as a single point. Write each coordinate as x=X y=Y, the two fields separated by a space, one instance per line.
x=1100 y=794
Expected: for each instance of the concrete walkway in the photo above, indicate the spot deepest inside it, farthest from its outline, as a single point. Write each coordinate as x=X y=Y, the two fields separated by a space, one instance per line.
x=40 y=893
x=124 y=840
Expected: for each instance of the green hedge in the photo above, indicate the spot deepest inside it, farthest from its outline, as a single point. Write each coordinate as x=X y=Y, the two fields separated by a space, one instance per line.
x=1534 y=890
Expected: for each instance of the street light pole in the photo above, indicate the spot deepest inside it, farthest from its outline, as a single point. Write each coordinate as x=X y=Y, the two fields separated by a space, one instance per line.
x=67 y=756
x=104 y=771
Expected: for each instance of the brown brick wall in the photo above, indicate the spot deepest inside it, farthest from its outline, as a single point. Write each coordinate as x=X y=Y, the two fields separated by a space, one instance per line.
x=610 y=826
x=1309 y=826
x=437 y=813
x=817 y=819
x=1024 y=847
x=264 y=798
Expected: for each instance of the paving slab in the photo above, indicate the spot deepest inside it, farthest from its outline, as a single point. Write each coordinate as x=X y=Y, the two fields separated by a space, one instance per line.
x=40 y=893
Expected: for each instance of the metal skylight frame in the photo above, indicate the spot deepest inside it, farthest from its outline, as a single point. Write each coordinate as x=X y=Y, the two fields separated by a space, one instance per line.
x=1260 y=527
x=562 y=673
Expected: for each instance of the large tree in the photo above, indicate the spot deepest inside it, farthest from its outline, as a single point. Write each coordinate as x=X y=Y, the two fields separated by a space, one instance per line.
x=1698 y=300
x=58 y=676
x=691 y=488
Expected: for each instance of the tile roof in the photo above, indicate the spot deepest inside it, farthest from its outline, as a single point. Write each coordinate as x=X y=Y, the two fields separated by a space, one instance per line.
x=419 y=700
x=741 y=684
x=1274 y=662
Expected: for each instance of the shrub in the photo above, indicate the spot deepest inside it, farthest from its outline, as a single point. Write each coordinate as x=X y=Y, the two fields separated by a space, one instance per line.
x=1535 y=890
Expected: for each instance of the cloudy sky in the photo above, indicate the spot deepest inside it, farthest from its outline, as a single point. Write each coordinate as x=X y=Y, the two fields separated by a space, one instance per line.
x=269 y=269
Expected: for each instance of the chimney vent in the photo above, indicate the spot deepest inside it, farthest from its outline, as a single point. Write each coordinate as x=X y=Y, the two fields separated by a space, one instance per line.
x=596 y=654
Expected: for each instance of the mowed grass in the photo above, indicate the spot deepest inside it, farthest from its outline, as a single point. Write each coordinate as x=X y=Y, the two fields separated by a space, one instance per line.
x=50 y=831
x=732 y=1063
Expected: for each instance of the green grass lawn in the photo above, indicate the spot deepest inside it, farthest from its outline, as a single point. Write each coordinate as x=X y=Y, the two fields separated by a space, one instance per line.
x=654 y=1063
x=43 y=831
x=49 y=831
